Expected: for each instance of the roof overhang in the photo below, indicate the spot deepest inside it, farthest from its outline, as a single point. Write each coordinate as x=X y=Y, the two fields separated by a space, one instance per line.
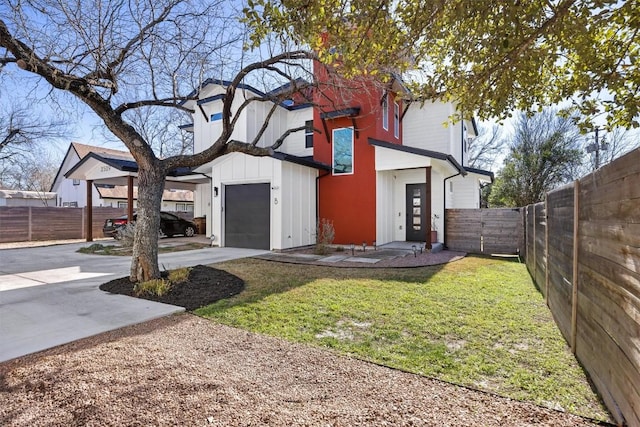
x=486 y=175
x=105 y=170
x=427 y=154
x=303 y=161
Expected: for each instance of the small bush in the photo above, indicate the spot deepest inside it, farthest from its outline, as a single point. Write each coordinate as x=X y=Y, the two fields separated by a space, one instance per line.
x=179 y=275
x=156 y=287
x=126 y=235
x=325 y=233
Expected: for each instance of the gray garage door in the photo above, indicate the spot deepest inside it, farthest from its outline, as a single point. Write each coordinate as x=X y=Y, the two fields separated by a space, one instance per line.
x=247 y=216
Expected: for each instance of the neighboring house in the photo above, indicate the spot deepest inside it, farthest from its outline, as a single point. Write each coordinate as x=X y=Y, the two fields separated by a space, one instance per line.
x=172 y=200
x=73 y=192
x=378 y=168
x=26 y=198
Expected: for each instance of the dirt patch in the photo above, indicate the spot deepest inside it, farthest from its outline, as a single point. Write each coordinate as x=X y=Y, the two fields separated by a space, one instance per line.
x=184 y=370
x=204 y=286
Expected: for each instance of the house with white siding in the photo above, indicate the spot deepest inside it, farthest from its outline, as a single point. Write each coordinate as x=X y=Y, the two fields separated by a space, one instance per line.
x=379 y=167
x=71 y=193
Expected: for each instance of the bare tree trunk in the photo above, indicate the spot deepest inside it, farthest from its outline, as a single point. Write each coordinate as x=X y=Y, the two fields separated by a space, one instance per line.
x=144 y=261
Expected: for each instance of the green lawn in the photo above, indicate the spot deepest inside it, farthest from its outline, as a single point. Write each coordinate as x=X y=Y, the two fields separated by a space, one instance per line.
x=479 y=322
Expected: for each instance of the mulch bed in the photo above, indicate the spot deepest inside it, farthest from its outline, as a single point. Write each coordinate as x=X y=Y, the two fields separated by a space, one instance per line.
x=204 y=286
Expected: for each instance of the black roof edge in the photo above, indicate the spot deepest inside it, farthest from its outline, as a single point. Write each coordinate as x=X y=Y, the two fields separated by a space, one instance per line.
x=62 y=164
x=125 y=165
x=346 y=112
x=475 y=125
x=480 y=172
x=303 y=161
x=421 y=152
x=243 y=86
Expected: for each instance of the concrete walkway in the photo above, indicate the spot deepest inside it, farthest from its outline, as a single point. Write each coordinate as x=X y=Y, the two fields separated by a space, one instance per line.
x=49 y=295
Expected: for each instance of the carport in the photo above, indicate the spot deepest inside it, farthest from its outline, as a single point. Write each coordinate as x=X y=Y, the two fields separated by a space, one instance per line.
x=112 y=170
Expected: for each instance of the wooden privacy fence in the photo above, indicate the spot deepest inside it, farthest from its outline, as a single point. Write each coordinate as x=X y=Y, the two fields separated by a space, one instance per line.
x=484 y=231
x=27 y=223
x=583 y=251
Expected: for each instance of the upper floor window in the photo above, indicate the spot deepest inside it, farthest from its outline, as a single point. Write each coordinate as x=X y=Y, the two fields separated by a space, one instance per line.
x=385 y=112
x=396 y=120
x=342 y=151
x=308 y=134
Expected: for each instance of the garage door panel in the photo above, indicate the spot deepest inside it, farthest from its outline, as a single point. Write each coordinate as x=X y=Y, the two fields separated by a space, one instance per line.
x=248 y=216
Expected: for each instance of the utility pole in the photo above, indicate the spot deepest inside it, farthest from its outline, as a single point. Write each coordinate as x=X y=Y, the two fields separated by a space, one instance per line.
x=595 y=148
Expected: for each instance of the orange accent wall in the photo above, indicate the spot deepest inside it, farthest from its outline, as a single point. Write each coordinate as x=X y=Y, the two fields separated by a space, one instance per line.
x=350 y=200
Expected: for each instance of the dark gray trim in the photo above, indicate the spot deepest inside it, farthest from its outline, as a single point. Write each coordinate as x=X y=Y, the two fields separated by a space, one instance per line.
x=243 y=86
x=303 y=161
x=208 y=99
x=125 y=165
x=420 y=152
x=346 y=112
x=480 y=172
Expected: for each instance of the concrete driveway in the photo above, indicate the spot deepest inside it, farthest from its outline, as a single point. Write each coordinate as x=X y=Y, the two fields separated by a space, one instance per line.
x=49 y=295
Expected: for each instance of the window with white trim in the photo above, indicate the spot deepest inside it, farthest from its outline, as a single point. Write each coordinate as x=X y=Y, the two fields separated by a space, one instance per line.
x=385 y=112
x=308 y=134
x=342 y=152
x=396 y=120
x=184 y=207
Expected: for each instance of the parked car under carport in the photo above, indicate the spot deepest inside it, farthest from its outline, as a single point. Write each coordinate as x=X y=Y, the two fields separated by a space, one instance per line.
x=170 y=225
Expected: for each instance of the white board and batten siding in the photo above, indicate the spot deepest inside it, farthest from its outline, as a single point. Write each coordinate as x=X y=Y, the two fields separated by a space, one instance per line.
x=385 y=218
x=295 y=143
x=425 y=127
x=465 y=194
x=292 y=199
x=298 y=207
x=250 y=122
x=391 y=200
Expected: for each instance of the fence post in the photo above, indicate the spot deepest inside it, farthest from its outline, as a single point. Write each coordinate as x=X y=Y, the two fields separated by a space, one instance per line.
x=30 y=226
x=546 y=249
x=574 y=284
x=535 y=251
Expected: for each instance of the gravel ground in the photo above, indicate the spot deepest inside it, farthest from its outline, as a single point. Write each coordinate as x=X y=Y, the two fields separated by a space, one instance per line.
x=184 y=370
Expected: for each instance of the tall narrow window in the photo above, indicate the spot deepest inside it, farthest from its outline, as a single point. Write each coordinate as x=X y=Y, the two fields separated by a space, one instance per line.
x=343 y=151
x=396 y=120
x=385 y=112
x=308 y=134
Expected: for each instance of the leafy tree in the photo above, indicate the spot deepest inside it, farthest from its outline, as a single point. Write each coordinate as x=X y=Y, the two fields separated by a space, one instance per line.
x=545 y=152
x=117 y=56
x=489 y=57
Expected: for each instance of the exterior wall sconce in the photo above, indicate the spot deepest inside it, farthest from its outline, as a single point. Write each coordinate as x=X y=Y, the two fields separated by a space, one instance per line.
x=215 y=191
x=353 y=247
